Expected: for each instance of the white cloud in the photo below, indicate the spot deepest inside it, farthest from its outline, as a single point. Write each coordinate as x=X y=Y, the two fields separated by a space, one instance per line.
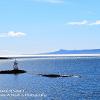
x=97 y=22
x=51 y=1
x=84 y=22
x=16 y=34
x=12 y=34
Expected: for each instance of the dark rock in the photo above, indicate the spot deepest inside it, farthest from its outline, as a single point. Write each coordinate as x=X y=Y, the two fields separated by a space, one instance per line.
x=57 y=75
x=12 y=71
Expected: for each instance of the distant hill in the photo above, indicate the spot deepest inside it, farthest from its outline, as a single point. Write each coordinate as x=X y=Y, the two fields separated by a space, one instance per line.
x=88 y=51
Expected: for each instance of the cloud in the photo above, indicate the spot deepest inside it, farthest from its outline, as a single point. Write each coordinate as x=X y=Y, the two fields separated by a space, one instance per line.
x=97 y=22
x=15 y=34
x=84 y=22
x=12 y=34
x=51 y=1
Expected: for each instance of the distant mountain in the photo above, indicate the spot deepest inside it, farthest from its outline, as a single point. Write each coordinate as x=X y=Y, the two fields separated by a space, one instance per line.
x=89 y=51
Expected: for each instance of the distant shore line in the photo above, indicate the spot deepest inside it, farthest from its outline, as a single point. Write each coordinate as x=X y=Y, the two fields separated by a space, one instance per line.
x=48 y=55
x=4 y=58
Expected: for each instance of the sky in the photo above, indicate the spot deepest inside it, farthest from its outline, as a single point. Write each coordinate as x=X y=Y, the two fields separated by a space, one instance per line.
x=36 y=26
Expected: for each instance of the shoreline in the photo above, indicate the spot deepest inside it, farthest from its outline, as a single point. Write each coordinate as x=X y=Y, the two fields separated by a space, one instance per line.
x=48 y=55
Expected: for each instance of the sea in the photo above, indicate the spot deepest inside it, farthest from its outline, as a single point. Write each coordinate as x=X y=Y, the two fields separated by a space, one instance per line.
x=83 y=85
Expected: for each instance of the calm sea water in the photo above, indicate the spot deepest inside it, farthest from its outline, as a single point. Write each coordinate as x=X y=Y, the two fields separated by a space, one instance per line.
x=30 y=86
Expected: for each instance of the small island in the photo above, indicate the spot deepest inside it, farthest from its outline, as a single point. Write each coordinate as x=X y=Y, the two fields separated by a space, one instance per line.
x=12 y=71
x=15 y=70
x=58 y=75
